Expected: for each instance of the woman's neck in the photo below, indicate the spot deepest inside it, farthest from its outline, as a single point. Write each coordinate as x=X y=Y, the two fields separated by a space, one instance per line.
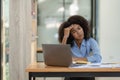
x=78 y=42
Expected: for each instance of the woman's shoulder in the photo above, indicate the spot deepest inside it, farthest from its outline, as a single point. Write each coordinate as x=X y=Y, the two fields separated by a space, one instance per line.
x=91 y=40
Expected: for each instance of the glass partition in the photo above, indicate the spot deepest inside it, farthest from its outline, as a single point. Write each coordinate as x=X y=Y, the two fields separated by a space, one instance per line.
x=51 y=13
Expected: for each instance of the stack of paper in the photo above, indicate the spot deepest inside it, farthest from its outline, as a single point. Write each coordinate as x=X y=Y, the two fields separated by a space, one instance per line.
x=96 y=65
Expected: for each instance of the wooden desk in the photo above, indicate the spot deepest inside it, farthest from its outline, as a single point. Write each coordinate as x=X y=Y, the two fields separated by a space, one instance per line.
x=41 y=70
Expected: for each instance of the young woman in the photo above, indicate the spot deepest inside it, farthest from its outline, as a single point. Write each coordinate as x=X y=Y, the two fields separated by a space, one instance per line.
x=75 y=31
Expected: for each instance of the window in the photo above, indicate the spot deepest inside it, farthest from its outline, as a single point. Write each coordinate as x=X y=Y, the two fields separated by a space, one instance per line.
x=51 y=13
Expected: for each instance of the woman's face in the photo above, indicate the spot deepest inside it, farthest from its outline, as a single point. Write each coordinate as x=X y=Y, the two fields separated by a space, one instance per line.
x=77 y=32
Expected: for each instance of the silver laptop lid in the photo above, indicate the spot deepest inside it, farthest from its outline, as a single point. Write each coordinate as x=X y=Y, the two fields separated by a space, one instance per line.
x=57 y=54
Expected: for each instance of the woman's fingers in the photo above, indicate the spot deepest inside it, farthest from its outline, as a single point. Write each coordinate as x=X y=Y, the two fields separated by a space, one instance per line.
x=71 y=26
x=67 y=30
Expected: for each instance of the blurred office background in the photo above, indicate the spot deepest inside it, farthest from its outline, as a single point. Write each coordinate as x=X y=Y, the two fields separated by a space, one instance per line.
x=103 y=17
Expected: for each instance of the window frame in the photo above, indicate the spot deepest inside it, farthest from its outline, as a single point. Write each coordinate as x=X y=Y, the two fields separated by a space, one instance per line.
x=1 y=70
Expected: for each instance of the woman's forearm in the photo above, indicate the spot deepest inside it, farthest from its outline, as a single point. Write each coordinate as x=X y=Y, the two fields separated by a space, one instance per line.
x=64 y=41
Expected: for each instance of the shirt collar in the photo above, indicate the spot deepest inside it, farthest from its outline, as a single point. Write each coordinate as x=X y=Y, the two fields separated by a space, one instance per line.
x=82 y=44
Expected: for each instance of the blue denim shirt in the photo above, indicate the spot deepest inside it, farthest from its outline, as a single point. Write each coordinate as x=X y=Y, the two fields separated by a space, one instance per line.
x=88 y=49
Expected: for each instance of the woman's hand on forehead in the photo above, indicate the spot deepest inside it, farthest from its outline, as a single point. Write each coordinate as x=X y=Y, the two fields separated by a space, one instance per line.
x=71 y=26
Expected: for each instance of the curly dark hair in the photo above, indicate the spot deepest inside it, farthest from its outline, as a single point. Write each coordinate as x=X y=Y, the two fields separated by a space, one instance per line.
x=75 y=19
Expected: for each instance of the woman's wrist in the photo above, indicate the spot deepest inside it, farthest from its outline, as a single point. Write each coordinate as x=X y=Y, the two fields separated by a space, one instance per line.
x=64 y=39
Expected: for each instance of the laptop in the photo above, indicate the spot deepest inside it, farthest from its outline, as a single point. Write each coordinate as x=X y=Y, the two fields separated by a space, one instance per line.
x=57 y=55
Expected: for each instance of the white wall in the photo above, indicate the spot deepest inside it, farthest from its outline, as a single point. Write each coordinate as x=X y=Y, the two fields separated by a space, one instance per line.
x=109 y=29
x=109 y=34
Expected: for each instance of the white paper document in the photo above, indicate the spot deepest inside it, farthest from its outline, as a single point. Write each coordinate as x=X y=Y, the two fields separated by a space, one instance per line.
x=96 y=65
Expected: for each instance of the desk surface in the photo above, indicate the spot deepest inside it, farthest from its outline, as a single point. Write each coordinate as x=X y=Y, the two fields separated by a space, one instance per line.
x=41 y=67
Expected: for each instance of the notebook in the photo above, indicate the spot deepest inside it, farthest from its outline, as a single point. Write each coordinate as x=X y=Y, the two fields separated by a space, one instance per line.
x=57 y=55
